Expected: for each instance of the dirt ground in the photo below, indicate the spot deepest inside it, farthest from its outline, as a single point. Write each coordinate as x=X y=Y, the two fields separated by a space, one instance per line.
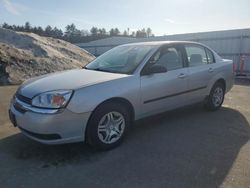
x=188 y=147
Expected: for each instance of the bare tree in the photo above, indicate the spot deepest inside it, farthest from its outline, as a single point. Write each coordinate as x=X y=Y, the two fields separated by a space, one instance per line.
x=149 y=32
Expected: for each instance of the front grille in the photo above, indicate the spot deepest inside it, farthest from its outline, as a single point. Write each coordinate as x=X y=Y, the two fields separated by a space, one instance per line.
x=23 y=98
x=42 y=136
x=19 y=108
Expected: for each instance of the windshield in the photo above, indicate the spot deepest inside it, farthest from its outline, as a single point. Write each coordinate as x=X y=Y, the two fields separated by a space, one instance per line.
x=121 y=59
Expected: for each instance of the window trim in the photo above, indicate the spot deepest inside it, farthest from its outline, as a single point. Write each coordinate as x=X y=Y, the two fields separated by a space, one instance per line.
x=208 y=50
x=197 y=46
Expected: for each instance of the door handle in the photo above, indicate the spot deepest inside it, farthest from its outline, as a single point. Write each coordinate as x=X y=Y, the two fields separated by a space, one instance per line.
x=182 y=75
x=210 y=70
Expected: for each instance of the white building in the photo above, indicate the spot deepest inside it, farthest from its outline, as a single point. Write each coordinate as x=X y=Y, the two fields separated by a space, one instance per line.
x=230 y=44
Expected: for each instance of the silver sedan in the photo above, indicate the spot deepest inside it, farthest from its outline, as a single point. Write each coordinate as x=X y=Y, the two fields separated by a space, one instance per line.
x=98 y=103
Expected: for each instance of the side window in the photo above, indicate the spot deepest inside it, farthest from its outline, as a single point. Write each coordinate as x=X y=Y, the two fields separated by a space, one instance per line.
x=196 y=55
x=210 y=56
x=169 y=57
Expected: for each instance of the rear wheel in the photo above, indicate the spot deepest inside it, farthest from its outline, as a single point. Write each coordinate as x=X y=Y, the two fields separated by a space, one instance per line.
x=216 y=97
x=108 y=125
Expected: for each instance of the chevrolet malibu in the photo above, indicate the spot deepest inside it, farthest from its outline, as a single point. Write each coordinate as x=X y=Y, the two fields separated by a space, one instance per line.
x=98 y=103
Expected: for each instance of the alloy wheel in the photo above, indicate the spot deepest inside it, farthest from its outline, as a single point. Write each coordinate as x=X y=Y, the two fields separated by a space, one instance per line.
x=111 y=127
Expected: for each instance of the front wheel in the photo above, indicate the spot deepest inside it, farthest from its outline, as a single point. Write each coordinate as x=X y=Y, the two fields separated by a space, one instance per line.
x=216 y=97
x=107 y=126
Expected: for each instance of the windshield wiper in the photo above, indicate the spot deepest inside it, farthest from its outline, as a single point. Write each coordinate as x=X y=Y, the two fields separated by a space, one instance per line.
x=100 y=69
x=103 y=70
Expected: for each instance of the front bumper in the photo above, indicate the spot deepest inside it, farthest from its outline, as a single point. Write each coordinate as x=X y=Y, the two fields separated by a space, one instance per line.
x=58 y=128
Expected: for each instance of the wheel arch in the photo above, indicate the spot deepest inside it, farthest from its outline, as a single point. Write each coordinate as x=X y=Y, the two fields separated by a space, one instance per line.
x=124 y=102
x=215 y=80
x=222 y=81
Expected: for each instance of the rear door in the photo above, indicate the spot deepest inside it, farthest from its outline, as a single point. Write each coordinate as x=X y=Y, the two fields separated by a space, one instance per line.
x=163 y=91
x=200 y=70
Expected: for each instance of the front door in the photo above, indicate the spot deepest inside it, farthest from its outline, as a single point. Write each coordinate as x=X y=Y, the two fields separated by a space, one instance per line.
x=164 y=91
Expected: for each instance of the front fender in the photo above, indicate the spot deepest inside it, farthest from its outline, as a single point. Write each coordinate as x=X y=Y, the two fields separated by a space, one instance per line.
x=86 y=99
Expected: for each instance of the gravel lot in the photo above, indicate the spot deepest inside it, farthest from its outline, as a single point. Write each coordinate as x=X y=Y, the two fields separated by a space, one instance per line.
x=188 y=147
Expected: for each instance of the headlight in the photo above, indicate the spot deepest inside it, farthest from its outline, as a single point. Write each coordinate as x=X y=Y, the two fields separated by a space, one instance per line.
x=52 y=99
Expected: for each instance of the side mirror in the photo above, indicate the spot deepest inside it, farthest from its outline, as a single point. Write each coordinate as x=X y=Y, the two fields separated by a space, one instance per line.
x=155 y=68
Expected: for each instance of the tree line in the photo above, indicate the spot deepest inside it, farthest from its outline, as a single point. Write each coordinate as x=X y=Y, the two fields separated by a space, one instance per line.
x=74 y=35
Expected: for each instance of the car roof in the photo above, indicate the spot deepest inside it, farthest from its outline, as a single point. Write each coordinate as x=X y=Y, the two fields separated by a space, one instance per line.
x=160 y=43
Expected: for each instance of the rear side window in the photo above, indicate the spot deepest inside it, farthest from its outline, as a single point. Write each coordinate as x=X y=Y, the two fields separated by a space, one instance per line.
x=210 y=56
x=196 y=55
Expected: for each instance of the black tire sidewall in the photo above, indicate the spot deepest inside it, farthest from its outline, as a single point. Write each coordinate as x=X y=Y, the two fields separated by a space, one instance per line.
x=92 y=127
x=209 y=104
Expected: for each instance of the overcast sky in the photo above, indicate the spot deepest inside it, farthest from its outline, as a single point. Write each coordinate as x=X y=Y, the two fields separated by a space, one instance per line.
x=162 y=16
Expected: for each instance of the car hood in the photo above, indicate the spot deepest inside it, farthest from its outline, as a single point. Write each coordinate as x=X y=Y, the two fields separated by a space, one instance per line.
x=72 y=79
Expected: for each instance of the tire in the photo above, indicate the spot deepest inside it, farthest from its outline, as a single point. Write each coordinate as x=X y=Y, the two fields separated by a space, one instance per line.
x=216 y=97
x=107 y=126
